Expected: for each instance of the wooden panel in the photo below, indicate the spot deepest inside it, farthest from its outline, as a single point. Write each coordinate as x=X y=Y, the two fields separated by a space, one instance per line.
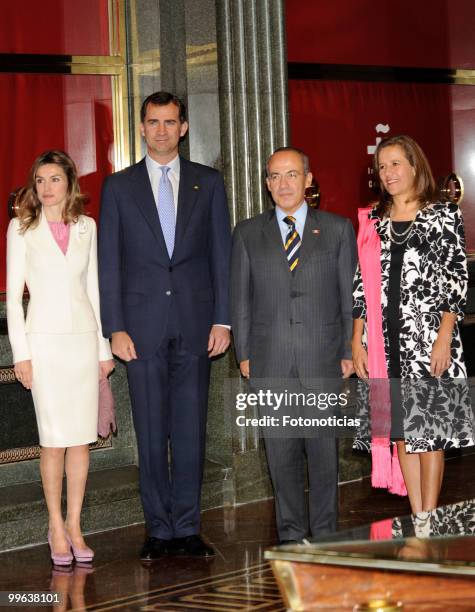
x=308 y=586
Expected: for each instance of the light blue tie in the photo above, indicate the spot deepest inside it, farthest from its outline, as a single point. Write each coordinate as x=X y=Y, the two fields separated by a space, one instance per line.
x=166 y=210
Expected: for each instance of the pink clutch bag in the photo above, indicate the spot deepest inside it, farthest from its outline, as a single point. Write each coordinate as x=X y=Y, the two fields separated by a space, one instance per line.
x=106 y=422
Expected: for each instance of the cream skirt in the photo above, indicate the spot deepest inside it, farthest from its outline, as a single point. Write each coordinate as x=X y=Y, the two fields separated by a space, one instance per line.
x=65 y=387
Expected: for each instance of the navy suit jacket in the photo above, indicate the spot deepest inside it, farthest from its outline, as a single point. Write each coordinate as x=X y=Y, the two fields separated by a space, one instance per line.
x=139 y=284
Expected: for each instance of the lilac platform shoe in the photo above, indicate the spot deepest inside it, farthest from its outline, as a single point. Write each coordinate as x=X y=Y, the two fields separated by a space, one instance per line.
x=82 y=555
x=59 y=558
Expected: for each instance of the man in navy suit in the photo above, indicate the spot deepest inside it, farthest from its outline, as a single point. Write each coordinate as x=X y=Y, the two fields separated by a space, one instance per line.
x=164 y=251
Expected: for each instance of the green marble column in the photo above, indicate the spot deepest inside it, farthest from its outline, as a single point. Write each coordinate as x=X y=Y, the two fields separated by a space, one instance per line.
x=253 y=97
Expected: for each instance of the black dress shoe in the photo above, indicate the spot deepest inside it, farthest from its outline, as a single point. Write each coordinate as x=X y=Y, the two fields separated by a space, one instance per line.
x=154 y=548
x=287 y=542
x=192 y=546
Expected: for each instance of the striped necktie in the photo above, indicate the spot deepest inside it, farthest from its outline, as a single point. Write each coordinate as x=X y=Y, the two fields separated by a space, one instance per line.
x=292 y=243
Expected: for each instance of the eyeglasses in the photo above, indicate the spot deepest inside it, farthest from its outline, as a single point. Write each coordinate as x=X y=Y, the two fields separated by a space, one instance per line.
x=290 y=176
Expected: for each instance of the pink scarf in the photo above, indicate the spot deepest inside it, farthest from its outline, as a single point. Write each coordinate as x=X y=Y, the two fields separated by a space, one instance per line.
x=386 y=472
x=381 y=530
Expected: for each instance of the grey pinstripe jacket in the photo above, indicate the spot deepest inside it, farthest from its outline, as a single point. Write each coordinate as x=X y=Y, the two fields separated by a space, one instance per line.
x=284 y=322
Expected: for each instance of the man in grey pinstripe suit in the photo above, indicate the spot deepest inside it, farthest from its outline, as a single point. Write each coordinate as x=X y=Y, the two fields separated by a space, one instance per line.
x=291 y=303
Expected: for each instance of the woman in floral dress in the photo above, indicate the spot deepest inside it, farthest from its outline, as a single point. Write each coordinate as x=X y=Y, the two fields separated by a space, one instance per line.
x=422 y=284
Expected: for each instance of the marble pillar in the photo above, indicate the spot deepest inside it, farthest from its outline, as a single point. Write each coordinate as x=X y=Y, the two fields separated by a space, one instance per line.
x=253 y=97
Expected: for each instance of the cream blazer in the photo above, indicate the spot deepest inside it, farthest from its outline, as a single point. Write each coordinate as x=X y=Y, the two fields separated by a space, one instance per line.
x=64 y=292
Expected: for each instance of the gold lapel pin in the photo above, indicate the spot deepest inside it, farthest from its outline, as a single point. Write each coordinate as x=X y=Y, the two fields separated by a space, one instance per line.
x=196 y=187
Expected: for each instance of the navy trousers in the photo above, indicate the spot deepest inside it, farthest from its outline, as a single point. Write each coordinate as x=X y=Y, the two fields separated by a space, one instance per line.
x=169 y=395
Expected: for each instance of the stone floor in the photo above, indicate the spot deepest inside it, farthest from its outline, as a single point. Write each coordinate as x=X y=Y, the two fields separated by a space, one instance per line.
x=236 y=579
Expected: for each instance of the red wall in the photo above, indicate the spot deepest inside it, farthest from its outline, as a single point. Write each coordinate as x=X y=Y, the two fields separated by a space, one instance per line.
x=435 y=33
x=39 y=112
x=48 y=111
x=70 y=27
x=335 y=121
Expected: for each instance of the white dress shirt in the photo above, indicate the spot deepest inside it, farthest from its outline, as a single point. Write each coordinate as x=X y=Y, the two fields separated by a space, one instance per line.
x=155 y=174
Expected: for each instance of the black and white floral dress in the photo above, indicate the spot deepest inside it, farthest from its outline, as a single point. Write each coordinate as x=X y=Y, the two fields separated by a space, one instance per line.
x=437 y=412
x=454 y=520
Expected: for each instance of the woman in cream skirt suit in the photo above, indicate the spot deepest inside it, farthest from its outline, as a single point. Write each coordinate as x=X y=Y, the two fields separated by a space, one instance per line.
x=58 y=351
